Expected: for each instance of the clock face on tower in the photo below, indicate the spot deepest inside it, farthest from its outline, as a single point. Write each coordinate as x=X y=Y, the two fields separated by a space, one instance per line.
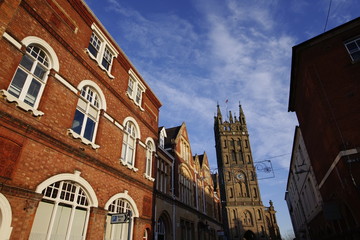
x=240 y=176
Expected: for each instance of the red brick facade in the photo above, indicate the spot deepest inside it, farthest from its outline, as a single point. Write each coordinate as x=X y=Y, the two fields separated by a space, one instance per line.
x=324 y=93
x=35 y=148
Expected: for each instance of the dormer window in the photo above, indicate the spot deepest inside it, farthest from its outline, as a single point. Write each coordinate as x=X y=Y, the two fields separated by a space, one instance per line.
x=162 y=136
x=135 y=88
x=101 y=50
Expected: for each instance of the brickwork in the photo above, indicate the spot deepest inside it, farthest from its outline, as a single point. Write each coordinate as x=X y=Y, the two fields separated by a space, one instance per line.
x=37 y=148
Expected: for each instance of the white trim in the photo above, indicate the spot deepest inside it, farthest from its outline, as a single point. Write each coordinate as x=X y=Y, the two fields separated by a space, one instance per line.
x=66 y=83
x=152 y=141
x=5 y=217
x=126 y=197
x=335 y=162
x=119 y=125
x=135 y=123
x=10 y=98
x=129 y=166
x=71 y=177
x=108 y=117
x=46 y=47
x=149 y=177
x=138 y=84
x=97 y=88
x=12 y=40
x=142 y=144
x=97 y=30
x=83 y=140
x=105 y=43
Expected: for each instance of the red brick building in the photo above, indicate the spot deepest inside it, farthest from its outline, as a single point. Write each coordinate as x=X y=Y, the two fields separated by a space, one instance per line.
x=325 y=94
x=78 y=127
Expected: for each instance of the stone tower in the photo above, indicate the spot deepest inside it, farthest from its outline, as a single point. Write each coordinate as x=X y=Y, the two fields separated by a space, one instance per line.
x=244 y=214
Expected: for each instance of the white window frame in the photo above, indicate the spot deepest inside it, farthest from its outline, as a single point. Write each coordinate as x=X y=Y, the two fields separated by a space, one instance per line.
x=104 y=46
x=53 y=63
x=80 y=183
x=355 y=52
x=135 y=89
x=162 y=136
x=150 y=149
x=5 y=217
x=89 y=105
x=131 y=134
x=132 y=205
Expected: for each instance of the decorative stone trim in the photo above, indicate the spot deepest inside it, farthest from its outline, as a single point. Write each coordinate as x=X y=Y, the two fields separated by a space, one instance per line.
x=149 y=177
x=66 y=83
x=129 y=166
x=12 y=40
x=20 y=104
x=83 y=140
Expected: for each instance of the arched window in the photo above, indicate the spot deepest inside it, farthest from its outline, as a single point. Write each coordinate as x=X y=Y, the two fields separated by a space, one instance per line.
x=259 y=214
x=161 y=229
x=30 y=77
x=146 y=235
x=87 y=113
x=118 y=231
x=63 y=212
x=120 y=203
x=129 y=144
x=149 y=153
x=5 y=218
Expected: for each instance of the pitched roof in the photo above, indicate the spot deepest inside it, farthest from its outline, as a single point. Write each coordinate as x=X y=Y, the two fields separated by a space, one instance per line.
x=171 y=134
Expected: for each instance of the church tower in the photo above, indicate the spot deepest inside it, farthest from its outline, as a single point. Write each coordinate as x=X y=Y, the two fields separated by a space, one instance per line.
x=243 y=211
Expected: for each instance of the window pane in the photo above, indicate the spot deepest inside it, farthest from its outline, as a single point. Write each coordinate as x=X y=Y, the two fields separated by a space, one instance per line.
x=40 y=71
x=130 y=87
x=41 y=221
x=356 y=56
x=138 y=96
x=77 y=230
x=106 y=61
x=89 y=129
x=351 y=47
x=123 y=153
x=27 y=62
x=93 y=112
x=32 y=93
x=78 y=122
x=17 y=83
x=130 y=156
x=105 y=64
x=92 y=50
x=61 y=222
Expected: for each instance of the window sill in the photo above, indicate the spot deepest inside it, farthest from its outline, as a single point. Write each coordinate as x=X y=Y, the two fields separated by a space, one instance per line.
x=83 y=140
x=149 y=177
x=132 y=99
x=20 y=104
x=129 y=166
x=99 y=65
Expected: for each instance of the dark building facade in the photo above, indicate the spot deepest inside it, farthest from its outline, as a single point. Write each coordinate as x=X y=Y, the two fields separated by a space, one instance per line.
x=245 y=216
x=187 y=204
x=325 y=95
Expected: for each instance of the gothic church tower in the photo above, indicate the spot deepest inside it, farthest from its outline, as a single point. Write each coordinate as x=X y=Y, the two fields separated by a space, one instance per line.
x=243 y=211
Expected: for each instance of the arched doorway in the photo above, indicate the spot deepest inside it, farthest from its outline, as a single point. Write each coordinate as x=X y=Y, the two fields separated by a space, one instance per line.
x=63 y=212
x=120 y=203
x=249 y=235
x=163 y=227
x=5 y=218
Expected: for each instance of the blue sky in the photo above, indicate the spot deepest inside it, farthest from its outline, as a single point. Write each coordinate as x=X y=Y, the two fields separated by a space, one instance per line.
x=197 y=53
